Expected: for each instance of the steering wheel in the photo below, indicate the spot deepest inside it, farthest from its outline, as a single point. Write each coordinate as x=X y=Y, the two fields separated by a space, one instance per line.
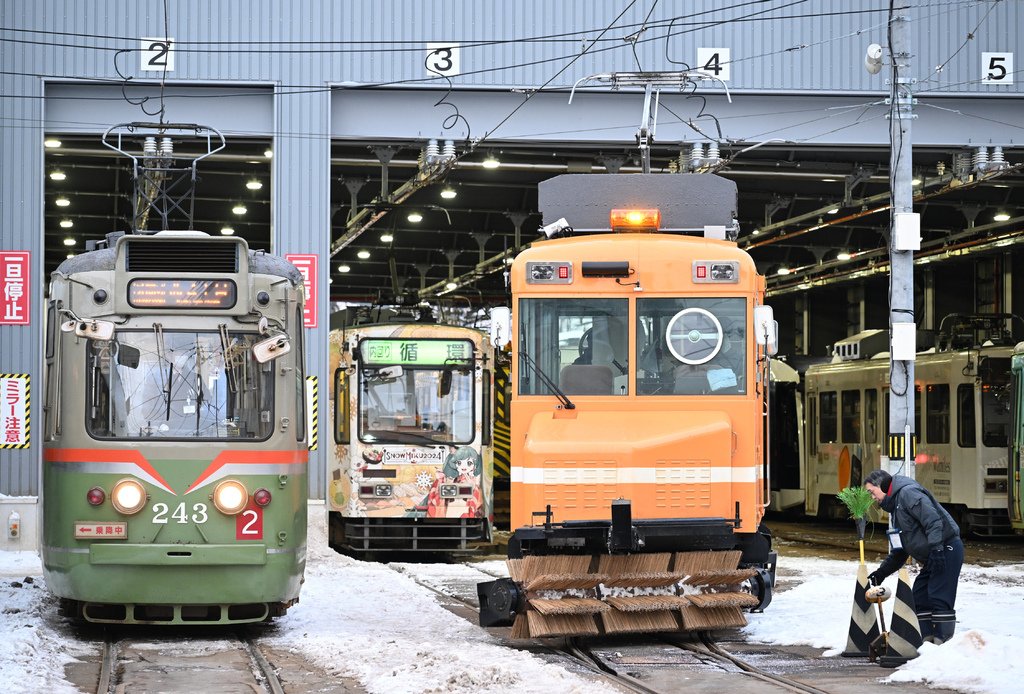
x=586 y=342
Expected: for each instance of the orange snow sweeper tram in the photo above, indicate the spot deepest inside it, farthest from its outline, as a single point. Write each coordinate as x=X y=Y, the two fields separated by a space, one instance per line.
x=640 y=345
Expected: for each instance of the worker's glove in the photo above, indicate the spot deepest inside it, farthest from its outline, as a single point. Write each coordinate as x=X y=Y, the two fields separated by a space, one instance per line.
x=937 y=560
x=875 y=579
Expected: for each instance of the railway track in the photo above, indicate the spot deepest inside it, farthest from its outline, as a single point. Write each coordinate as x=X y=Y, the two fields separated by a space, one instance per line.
x=580 y=652
x=187 y=665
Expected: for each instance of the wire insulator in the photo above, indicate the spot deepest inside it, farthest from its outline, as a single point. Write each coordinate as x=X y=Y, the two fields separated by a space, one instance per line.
x=149 y=146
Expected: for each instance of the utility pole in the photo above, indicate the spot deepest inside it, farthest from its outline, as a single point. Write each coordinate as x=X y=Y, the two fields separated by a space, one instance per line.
x=904 y=239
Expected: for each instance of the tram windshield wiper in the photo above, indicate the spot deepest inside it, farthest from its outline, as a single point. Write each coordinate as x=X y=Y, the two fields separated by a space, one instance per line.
x=546 y=380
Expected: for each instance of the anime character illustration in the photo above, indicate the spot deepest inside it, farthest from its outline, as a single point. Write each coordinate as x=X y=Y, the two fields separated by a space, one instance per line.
x=462 y=468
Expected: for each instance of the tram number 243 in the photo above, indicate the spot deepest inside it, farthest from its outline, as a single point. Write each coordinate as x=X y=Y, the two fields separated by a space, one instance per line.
x=248 y=523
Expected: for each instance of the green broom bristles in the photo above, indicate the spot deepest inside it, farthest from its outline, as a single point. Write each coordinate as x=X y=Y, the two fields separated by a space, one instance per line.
x=857 y=499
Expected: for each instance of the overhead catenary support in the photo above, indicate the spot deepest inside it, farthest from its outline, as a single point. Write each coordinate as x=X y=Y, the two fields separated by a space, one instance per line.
x=903 y=240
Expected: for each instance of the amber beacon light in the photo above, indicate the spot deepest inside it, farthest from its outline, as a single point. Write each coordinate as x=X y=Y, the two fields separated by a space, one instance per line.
x=635 y=220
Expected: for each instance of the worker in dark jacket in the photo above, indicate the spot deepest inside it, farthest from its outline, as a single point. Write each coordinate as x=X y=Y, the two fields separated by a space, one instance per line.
x=921 y=529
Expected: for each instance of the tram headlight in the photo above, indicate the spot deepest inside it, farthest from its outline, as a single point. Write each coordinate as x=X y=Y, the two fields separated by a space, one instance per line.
x=128 y=496
x=230 y=497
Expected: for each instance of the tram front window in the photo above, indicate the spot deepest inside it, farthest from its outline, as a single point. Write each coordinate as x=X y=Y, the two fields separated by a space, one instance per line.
x=996 y=395
x=419 y=406
x=691 y=346
x=171 y=385
x=581 y=346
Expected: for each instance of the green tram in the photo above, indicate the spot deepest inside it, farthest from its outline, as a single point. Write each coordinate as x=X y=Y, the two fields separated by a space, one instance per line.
x=1016 y=448
x=412 y=465
x=174 y=466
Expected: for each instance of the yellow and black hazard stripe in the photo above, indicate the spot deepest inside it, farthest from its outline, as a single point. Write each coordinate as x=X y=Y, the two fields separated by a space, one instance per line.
x=897 y=446
x=502 y=433
x=28 y=412
x=314 y=412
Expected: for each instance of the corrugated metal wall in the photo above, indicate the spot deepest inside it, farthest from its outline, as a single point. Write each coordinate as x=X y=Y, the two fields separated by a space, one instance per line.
x=303 y=45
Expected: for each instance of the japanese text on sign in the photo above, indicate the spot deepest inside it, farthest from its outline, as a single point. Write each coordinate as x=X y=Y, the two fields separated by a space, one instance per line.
x=306 y=264
x=14 y=411
x=416 y=352
x=167 y=293
x=14 y=274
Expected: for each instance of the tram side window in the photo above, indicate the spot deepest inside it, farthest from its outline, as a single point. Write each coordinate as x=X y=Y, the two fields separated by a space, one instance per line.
x=851 y=416
x=827 y=407
x=965 y=430
x=937 y=413
x=870 y=416
x=812 y=417
x=342 y=407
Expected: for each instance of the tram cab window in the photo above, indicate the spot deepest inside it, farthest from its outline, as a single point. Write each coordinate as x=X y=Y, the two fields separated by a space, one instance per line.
x=178 y=384
x=966 y=436
x=851 y=416
x=410 y=408
x=937 y=412
x=870 y=416
x=827 y=417
x=581 y=345
x=691 y=346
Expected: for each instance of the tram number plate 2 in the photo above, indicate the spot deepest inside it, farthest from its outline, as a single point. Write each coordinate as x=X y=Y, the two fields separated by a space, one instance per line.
x=249 y=523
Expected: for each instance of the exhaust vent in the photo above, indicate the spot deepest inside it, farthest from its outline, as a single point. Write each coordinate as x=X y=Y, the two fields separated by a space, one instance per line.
x=175 y=255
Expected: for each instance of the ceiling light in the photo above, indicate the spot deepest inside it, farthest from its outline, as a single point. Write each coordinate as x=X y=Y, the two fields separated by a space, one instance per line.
x=415 y=217
x=491 y=162
x=61 y=202
x=239 y=209
x=451 y=285
x=386 y=238
x=66 y=223
x=363 y=255
x=448 y=193
x=828 y=180
x=268 y=153
x=70 y=256
x=833 y=210
x=57 y=175
x=343 y=268
x=227 y=231
x=783 y=271
x=69 y=241
x=755 y=232
x=51 y=142
x=843 y=255
x=253 y=184
x=1000 y=217
x=916 y=181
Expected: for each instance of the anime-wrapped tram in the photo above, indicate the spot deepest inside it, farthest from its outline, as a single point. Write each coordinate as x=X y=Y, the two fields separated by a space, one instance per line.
x=174 y=465
x=640 y=376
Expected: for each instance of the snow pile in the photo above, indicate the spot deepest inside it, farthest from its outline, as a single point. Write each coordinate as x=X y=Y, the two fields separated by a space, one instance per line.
x=33 y=652
x=981 y=658
x=367 y=621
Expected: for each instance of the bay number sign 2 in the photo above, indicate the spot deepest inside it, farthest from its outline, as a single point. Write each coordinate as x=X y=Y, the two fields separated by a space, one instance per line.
x=156 y=54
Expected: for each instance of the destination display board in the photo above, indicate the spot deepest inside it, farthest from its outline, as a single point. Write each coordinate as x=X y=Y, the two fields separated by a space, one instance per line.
x=173 y=293
x=412 y=352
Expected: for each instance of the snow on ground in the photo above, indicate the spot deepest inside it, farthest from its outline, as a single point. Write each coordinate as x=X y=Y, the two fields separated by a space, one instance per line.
x=980 y=658
x=371 y=623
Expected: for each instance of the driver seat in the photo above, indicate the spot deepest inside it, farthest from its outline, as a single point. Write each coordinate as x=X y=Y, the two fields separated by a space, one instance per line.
x=586 y=379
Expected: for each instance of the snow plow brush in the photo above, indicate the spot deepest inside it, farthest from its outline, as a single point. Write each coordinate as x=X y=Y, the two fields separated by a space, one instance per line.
x=580 y=595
